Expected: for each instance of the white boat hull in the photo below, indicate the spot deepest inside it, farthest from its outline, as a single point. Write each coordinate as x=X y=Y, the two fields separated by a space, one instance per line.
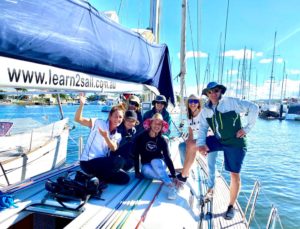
x=20 y=163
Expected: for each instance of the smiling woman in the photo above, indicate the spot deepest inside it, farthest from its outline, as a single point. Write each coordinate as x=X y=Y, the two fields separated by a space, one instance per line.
x=98 y=157
x=153 y=151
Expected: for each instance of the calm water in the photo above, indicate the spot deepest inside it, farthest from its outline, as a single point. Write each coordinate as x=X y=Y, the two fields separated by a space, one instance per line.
x=273 y=158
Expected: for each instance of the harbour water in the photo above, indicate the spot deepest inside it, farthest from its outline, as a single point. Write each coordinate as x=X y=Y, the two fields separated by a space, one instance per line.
x=273 y=158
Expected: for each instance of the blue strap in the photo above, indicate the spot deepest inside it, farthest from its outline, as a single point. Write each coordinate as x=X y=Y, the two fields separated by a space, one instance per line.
x=7 y=201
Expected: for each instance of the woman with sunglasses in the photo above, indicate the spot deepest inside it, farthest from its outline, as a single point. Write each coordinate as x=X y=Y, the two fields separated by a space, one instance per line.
x=97 y=157
x=134 y=104
x=187 y=149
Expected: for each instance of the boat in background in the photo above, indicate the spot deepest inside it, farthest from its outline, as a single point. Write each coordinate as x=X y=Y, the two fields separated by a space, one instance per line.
x=35 y=151
x=293 y=112
x=109 y=103
x=270 y=111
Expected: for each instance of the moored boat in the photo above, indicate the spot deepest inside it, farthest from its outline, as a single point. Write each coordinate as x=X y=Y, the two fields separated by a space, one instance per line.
x=293 y=112
x=28 y=154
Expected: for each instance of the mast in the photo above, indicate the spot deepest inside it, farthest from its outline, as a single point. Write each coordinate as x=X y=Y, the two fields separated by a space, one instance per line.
x=237 y=79
x=272 y=69
x=182 y=56
x=282 y=83
x=243 y=76
x=256 y=86
x=154 y=18
x=249 y=79
x=224 y=45
x=230 y=86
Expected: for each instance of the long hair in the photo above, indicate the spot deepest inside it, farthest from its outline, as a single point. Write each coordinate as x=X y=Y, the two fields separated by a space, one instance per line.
x=189 y=112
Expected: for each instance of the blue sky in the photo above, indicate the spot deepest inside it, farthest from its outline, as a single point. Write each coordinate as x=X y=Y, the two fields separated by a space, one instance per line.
x=251 y=25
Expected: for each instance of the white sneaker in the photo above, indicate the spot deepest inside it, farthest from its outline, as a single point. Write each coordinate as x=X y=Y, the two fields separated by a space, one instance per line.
x=172 y=194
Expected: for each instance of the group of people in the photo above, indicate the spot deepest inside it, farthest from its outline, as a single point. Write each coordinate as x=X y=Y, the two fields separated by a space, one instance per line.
x=128 y=140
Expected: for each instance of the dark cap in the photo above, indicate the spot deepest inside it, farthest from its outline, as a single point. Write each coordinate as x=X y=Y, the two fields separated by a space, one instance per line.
x=130 y=114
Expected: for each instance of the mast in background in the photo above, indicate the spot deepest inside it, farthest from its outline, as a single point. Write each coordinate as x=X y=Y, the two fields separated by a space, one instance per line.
x=282 y=83
x=182 y=57
x=154 y=18
x=272 y=69
x=224 y=44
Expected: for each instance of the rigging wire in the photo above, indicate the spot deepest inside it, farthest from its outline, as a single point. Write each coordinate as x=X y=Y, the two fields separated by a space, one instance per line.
x=199 y=41
x=120 y=6
x=194 y=58
x=224 y=45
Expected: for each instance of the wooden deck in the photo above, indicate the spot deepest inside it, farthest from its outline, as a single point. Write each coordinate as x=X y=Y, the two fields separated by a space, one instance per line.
x=219 y=203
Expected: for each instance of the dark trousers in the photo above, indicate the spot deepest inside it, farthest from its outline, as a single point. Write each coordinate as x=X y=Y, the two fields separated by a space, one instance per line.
x=126 y=154
x=107 y=169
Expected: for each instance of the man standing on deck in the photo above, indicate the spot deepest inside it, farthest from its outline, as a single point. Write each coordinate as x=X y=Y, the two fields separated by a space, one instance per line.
x=222 y=115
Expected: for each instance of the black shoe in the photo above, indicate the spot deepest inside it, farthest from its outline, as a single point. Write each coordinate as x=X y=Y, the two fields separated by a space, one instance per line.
x=181 y=178
x=229 y=214
x=180 y=181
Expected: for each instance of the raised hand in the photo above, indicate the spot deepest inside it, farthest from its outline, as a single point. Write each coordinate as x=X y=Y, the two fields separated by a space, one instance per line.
x=82 y=99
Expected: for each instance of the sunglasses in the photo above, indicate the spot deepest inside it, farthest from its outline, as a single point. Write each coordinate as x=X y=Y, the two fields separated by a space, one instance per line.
x=130 y=120
x=160 y=103
x=216 y=90
x=195 y=101
x=133 y=103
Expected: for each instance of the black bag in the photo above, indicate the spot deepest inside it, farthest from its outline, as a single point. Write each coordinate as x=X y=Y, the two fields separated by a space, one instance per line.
x=81 y=188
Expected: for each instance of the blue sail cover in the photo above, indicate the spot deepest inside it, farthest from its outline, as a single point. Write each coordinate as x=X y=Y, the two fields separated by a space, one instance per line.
x=73 y=35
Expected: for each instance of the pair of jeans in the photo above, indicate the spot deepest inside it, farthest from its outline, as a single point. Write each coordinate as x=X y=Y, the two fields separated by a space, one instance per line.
x=156 y=169
x=211 y=164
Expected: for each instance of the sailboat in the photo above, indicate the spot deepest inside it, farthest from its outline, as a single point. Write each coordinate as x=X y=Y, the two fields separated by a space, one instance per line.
x=74 y=43
x=269 y=110
x=37 y=150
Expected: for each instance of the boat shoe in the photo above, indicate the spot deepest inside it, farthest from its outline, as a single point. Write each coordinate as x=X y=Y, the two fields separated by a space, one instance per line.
x=229 y=214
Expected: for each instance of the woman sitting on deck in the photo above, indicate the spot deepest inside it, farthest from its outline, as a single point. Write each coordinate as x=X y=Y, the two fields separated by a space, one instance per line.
x=153 y=150
x=128 y=132
x=97 y=157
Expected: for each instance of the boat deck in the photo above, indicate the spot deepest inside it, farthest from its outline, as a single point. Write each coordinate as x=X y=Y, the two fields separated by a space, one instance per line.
x=140 y=204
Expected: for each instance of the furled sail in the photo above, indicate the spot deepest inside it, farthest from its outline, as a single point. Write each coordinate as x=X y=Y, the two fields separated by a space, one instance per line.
x=72 y=35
